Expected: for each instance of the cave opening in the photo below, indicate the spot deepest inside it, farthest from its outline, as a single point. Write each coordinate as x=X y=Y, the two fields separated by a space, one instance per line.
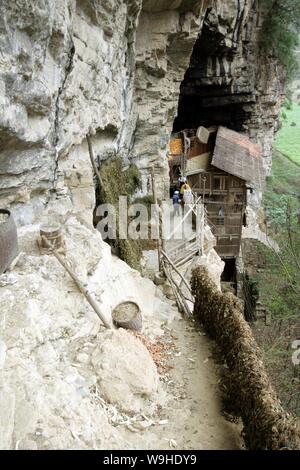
x=209 y=93
x=229 y=272
x=215 y=104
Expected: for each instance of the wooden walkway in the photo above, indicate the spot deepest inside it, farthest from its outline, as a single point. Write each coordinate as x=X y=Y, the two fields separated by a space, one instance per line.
x=177 y=256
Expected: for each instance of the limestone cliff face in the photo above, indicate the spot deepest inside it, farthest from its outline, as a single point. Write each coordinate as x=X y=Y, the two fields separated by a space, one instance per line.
x=67 y=70
x=114 y=69
x=230 y=81
x=166 y=35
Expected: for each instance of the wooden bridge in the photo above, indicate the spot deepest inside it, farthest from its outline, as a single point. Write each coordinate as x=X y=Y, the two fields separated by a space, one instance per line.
x=177 y=257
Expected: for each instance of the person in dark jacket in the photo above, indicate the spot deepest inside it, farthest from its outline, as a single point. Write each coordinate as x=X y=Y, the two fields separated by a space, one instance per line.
x=176 y=202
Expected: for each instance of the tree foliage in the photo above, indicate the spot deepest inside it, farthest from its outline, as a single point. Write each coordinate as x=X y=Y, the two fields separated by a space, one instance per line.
x=282 y=204
x=281 y=31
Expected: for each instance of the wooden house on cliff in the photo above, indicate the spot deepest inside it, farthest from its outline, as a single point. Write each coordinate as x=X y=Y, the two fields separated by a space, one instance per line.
x=220 y=168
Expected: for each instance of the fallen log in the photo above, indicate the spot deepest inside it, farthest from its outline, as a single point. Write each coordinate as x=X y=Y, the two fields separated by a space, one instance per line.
x=78 y=283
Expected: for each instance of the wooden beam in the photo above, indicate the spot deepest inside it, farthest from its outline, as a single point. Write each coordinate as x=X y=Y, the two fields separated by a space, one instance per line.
x=78 y=283
x=182 y=244
x=188 y=258
x=96 y=170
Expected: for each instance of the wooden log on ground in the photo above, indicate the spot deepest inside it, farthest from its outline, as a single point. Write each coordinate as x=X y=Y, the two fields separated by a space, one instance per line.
x=79 y=284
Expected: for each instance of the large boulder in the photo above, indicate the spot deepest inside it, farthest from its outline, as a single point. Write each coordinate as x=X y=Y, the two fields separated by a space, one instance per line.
x=127 y=375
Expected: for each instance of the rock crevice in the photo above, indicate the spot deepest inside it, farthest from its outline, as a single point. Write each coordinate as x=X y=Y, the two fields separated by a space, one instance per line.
x=68 y=69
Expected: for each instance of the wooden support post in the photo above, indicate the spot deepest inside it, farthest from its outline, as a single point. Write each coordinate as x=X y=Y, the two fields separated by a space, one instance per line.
x=182 y=245
x=168 y=276
x=96 y=170
x=78 y=283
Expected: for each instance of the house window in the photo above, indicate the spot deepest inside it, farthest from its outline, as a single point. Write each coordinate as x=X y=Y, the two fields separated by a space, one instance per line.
x=220 y=182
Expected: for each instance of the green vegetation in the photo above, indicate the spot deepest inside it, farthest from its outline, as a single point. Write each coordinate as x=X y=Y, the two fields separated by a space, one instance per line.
x=279 y=280
x=118 y=181
x=288 y=138
x=280 y=31
x=282 y=202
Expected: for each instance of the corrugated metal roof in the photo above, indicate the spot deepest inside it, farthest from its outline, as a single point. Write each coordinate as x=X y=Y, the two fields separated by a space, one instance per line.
x=237 y=155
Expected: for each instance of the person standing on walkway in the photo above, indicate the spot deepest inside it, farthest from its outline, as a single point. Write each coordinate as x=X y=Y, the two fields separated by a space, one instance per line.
x=176 y=201
x=184 y=187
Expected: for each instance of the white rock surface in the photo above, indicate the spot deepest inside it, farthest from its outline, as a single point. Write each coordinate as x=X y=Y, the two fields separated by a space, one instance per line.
x=67 y=69
x=57 y=359
x=7 y=414
x=113 y=69
x=126 y=373
x=214 y=265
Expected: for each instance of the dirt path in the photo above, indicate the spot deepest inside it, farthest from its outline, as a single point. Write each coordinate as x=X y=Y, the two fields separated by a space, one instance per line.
x=193 y=413
x=192 y=416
